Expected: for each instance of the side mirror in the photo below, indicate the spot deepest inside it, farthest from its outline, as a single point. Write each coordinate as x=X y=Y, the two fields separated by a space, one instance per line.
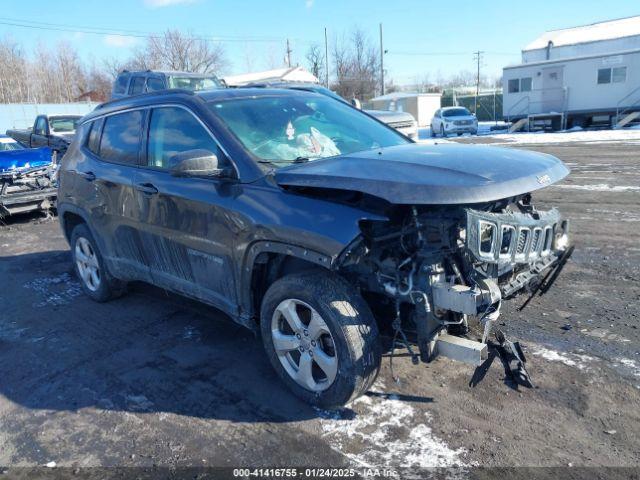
x=198 y=163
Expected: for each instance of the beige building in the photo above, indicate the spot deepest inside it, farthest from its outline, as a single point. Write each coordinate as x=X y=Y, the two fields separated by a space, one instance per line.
x=421 y=105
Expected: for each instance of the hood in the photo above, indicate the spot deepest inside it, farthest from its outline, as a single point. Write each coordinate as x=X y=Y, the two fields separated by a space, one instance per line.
x=430 y=174
x=459 y=117
x=389 y=116
x=16 y=160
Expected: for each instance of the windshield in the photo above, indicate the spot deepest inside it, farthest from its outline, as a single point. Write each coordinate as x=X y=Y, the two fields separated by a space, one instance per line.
x=63 y=124
x=456 y=112
x=7 y=144
x=286 y=129
x=194 y=83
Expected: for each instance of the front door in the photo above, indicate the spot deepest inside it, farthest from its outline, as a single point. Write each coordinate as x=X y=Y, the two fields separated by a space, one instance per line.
x=185 y=223
x=552 y=89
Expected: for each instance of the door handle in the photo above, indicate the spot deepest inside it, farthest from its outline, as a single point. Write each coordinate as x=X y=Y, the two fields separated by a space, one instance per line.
x=88 y=176
x=147 y=188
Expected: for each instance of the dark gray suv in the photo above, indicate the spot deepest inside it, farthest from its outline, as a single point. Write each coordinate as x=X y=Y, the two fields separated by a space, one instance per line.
x=307 y=221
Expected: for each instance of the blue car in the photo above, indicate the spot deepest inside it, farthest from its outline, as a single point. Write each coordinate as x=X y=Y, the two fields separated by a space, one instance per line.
x=27 y=178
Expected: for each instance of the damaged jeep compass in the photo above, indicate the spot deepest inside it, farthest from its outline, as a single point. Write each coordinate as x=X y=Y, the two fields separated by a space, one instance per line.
x=310 y=222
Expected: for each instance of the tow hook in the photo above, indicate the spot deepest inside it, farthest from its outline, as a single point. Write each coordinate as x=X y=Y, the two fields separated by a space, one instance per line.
x=513 y=359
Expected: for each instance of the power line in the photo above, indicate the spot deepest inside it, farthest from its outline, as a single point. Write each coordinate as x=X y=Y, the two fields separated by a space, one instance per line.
x=134 y=33
x=446 y=54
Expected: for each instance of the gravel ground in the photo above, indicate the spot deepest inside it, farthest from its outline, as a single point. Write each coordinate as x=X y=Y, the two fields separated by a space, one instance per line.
x=153 y=379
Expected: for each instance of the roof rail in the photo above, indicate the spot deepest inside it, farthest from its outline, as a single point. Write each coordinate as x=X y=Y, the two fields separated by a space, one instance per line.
x=157 y=92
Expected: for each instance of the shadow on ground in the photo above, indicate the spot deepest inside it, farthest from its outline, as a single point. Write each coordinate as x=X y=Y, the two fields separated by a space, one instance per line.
x=150 y=351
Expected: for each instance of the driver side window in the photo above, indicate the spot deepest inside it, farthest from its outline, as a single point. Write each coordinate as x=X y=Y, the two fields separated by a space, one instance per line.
x=174 y=130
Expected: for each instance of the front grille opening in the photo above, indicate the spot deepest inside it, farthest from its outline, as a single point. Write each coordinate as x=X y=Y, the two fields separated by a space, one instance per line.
x=548 y=239
x=523 y=238
x=487 y=237
x=536 y=240
x=508 y=233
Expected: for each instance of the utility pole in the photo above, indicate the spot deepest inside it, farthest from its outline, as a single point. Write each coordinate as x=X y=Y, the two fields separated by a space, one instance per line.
x=288 y=54
x=326 y=59
x=478 y=57
x=381 y=63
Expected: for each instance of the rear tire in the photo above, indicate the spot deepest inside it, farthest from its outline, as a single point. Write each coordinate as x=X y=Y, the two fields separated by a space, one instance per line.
x=90 y=269
x=344 y=359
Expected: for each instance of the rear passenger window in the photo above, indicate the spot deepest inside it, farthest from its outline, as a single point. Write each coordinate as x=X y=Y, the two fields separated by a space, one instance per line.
x=121 y=84
x=173 y=130
x=93 y=140
x=154 y=84
x=121 y=137
x=137 y=85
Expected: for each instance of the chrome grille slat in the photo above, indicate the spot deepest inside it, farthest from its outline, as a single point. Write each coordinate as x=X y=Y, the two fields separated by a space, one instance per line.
x=531 y=238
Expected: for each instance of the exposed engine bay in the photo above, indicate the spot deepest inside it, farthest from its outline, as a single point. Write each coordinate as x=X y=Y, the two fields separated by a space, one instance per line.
x=433 y=269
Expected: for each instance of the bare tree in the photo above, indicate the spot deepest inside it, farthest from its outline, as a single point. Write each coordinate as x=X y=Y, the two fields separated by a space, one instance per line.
x=175 y=50
x=357 y=66
x=316 y=61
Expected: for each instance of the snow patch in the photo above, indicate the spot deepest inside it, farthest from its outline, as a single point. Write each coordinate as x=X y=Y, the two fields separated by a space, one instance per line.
x=631 y=365
x=570 y=359
x=601 y=187
x=591 y=136
x=58 y=290
x=387 y=432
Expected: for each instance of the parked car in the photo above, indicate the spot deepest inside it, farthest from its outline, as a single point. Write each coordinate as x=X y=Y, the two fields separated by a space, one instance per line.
x=27 y=178
x=54 y=131
x=309 y=221
x=453 y=120
x=401 y=121
x=134 y=83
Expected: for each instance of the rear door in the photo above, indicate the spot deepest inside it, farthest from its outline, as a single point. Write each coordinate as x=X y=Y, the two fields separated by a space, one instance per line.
x=187 y=224
x=104 y=184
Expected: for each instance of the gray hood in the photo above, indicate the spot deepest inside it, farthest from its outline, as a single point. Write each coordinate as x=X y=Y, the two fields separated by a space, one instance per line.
x=430 y=174
x=389 y=116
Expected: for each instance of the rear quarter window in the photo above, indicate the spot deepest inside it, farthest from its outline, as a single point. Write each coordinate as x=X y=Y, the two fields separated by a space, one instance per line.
x=93 y=139
x=137 y=85
x=121 y=84
x=120 y=141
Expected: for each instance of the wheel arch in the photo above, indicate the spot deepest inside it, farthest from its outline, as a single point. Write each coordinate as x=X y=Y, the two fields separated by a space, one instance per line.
x=266 y=262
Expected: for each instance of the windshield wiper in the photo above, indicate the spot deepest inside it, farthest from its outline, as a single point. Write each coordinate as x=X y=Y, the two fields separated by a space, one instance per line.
x=301 y=160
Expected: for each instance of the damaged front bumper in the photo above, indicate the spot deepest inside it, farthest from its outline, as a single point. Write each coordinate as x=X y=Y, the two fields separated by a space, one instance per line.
x=28 y=189
x=503 y=254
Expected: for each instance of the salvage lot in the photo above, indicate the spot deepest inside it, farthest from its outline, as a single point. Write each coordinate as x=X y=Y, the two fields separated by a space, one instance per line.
x=153 y=379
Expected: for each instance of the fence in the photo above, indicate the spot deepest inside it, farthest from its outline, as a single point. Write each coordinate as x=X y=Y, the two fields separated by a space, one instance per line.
x=489 y=104
x=22 y=115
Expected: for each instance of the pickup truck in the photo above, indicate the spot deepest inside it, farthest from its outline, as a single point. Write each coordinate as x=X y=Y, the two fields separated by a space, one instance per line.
x=53 y=131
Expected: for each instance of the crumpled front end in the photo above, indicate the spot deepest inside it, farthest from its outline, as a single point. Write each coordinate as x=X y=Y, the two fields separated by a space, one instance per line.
x=430 y=271
x=27 y=189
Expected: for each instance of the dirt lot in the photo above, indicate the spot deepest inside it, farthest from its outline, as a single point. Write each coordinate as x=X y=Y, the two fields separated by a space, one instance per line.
x=154 y=379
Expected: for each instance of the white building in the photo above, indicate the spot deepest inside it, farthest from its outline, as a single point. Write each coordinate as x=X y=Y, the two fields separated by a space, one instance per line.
x=577 y=77
x=421 y=105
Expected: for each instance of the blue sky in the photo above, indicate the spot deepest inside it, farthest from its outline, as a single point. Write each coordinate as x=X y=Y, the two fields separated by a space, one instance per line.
x=422 y=37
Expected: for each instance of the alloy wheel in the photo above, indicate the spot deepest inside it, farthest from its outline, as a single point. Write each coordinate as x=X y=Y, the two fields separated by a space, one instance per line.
x=304 y=345
x=87 y=263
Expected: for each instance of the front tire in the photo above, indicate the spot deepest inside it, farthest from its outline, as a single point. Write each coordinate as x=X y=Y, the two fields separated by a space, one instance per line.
x=320 y=337
x=90 y=269
x=443 y=133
